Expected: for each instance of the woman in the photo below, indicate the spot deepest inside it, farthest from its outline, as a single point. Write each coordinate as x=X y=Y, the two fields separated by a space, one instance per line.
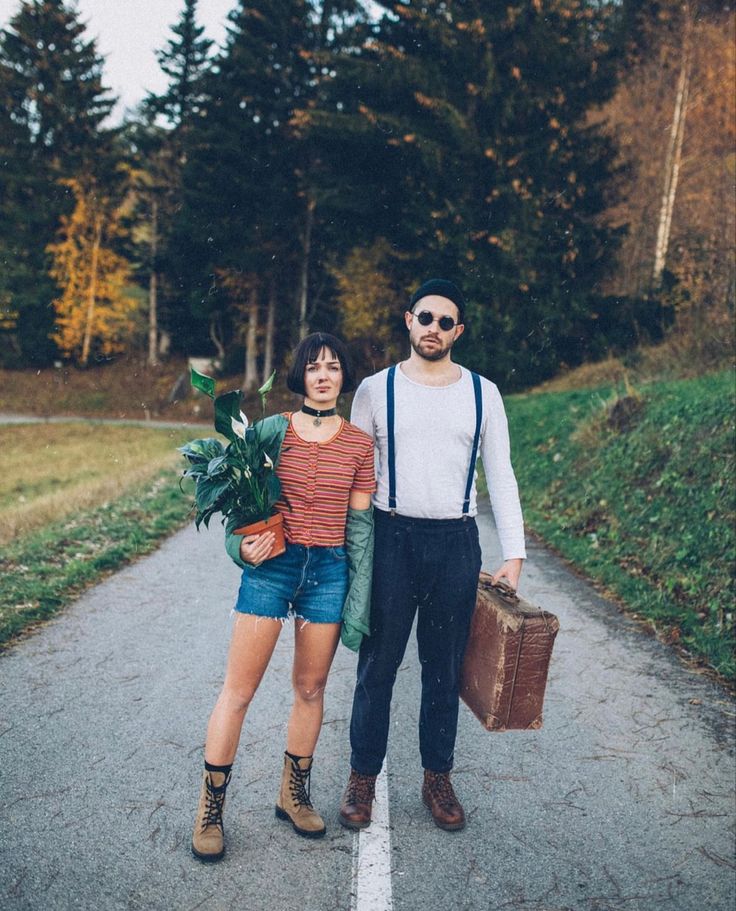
x=325 y=468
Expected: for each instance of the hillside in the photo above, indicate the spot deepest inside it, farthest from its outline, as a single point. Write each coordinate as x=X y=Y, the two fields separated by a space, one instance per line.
x=637 y=490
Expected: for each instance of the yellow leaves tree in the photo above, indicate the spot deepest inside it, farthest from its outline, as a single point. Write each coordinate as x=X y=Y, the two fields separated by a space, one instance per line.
x=94 y=311
x=370 y=306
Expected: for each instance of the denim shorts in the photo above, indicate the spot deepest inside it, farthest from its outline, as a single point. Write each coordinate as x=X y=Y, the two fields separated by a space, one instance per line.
x=306 y=582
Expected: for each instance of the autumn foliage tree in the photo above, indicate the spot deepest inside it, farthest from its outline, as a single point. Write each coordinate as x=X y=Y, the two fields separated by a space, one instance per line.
x=53 y=102
x=371 y=307
x=673 y=117
x=94 y=311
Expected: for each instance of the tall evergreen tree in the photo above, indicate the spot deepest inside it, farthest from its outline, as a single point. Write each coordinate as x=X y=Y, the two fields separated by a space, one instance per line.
x=242 y=212
x=159 y=146
x=251 y=235
x=53 y=104
x=183 y=60
x=460 y=128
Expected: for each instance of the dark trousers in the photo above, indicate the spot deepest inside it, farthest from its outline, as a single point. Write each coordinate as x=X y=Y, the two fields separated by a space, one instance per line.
x=429 y=566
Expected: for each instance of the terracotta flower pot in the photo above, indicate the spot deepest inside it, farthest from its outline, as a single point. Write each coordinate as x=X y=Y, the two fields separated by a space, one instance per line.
x=275 y=524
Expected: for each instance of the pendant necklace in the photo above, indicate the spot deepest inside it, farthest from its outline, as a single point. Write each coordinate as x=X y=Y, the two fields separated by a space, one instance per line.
x=317 y=414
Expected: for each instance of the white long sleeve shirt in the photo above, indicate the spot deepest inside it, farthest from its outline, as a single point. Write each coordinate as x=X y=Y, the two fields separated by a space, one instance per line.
x=433 y=431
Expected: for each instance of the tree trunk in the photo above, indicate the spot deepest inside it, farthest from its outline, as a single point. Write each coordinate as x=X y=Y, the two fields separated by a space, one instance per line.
x=270 y=327
x=153 y=291
x=216 y=336
x=250 y=380
x=304 y=283
x=92 y=293
x=324 y=23
x=674 y=157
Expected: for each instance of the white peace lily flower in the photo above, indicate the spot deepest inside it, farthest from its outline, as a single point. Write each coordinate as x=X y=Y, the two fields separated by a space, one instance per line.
x=244 y=419
x=268 y=461
x=247 y=473
x=238 y=428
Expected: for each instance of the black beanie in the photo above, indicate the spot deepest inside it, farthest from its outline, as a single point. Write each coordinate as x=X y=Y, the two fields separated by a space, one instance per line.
x=444 y=289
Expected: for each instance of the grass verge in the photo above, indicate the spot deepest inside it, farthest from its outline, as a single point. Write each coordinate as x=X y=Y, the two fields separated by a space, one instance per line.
x=637 y=491
x=54 y=470
x=48 y=568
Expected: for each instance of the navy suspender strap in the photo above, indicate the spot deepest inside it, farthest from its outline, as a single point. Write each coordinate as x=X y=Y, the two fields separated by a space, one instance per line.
x=392 y=447
x=476 y=440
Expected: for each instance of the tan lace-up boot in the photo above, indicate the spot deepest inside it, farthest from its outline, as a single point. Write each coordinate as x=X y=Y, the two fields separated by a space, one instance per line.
x=293 y=802
x=208 y=839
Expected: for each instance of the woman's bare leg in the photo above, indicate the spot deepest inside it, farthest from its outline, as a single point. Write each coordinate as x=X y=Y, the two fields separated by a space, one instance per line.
x=251 y=646
x=314 y=649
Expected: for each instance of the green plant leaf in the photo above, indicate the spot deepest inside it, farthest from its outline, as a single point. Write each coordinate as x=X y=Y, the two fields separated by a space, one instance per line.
x=209 y=490
x=227 y=407
x=268 y=437
x=273 y=486
x=202 y=382
x=268 y=385
x=203 y=451
x=217 y=465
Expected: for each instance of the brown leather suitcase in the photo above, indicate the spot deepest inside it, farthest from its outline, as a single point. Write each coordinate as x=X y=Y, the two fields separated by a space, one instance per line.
x=506 y=661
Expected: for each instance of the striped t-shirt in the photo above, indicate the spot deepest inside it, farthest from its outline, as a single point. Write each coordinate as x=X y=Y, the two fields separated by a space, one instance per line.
x=316 y=481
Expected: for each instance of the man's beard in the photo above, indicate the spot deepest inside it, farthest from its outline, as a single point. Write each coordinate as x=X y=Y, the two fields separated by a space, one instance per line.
x=436 y=354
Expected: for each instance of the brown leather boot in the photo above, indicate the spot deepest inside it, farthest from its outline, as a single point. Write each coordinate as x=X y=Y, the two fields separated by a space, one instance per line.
x=438 y=795
x=357 y=801
x=293 y=802
x=208 y=839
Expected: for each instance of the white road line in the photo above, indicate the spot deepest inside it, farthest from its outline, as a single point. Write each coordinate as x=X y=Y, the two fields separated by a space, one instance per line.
x=372 y=856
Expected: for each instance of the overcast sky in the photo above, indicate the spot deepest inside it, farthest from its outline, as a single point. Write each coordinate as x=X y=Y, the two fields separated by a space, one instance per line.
x=128 y=32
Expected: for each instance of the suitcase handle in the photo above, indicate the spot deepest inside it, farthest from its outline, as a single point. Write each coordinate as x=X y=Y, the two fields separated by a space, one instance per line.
x=505 y=590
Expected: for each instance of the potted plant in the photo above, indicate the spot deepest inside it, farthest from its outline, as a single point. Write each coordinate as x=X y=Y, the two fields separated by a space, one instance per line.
x=237 y=480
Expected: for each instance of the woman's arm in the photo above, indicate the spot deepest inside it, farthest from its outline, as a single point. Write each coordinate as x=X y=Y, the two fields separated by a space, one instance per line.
x=359 y=500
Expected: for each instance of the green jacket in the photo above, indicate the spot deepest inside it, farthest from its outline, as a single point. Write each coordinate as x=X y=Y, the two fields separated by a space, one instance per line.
x=359 y=545
x=356 y=612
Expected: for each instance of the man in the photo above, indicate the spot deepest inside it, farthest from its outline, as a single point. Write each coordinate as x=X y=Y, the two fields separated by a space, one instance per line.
x=427 y=555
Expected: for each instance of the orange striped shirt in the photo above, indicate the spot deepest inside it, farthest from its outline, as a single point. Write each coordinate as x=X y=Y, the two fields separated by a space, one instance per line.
x=316 y=481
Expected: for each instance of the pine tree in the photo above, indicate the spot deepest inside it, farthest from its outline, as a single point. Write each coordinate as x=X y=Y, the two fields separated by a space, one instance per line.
x=183 y=60
x=54 y=103
x=158 y=145
x=243 y=211
x=460 y=130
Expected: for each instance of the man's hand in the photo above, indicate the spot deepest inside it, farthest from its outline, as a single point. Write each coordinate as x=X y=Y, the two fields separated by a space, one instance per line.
x=255 y=548
x=510 y=571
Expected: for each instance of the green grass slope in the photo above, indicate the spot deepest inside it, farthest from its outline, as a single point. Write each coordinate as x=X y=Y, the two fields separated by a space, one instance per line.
x=637 y=490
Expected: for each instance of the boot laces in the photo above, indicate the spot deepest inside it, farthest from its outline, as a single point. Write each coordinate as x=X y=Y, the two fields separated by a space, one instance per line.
x=361 y=789
x=442 y=791
x=214 y=804
x=300 y=785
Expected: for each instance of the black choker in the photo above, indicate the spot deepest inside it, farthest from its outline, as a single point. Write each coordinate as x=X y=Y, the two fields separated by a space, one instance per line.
x=317 y=414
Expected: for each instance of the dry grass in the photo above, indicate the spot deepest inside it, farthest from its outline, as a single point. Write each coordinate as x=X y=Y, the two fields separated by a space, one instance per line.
x=679 y=357
x=127 y=389
x=53 y=470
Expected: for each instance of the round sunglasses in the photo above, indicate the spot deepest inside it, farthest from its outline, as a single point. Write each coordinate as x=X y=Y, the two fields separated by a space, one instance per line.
x=444 y=322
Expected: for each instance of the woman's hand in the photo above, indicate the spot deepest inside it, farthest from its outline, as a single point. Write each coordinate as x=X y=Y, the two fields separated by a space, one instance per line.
x=255 y=548
x=510 y=571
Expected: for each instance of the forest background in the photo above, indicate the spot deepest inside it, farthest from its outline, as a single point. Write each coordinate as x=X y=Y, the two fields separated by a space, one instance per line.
x=569 y=163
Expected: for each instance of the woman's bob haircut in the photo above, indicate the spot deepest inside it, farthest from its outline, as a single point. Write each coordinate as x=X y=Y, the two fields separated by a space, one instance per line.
x=308 y=351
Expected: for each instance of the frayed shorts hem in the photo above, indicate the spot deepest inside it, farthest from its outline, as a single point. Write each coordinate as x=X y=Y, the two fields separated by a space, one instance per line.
x=292 y=616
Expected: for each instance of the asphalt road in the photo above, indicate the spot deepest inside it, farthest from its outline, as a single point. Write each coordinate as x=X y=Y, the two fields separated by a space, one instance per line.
x=6 y=418
x=624 y=800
